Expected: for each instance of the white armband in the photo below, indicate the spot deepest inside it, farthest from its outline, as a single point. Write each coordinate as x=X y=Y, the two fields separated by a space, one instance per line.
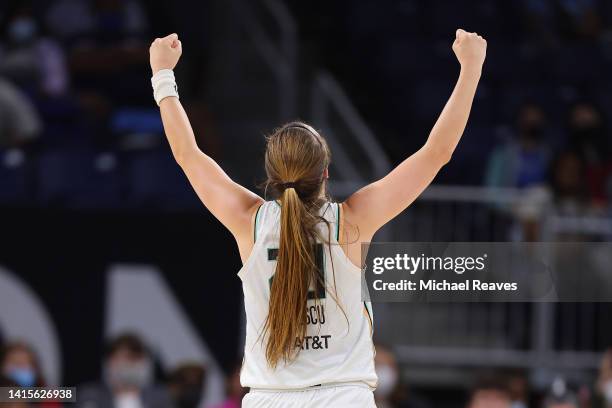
x=164 y=85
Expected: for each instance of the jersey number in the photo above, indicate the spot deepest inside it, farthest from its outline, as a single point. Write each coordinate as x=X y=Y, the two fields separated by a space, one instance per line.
x=320 y=284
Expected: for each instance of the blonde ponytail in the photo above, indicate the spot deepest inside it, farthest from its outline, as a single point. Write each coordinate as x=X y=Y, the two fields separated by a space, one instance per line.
x=295 y=272
x=296 y=159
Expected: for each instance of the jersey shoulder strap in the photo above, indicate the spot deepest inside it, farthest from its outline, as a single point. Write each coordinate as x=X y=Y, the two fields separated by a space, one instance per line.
x=331 y=213
x=267 y=215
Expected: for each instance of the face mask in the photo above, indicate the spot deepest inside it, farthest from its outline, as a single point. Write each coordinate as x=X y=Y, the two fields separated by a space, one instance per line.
x=387 y=380
x=518 y=404
x=25 y=377
x=607 y=391
x=130 y=374
x=22 y=29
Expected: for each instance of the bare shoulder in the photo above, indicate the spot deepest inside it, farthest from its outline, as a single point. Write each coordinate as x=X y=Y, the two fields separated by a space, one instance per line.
x=354 y=227
x=352 y=235
x=245 y=237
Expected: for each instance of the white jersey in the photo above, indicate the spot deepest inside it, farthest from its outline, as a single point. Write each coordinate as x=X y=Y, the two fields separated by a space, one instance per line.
x=338 y=345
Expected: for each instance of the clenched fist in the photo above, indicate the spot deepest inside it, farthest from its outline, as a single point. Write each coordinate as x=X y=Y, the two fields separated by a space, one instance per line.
x=165 y=52
x=470 y=49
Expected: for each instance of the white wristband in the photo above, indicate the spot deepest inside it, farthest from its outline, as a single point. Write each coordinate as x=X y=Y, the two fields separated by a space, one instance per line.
x=164 y=85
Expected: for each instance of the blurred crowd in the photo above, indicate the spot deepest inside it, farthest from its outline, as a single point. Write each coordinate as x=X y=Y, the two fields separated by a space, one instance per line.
x=540 y=122
x=565 y=173
x=502 y=388
x=130 y=378
x=78 y=127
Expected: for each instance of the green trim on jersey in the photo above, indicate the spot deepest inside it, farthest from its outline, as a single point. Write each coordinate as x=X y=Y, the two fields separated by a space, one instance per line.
x=369 y=314
x=338 y=222
x=255 y=226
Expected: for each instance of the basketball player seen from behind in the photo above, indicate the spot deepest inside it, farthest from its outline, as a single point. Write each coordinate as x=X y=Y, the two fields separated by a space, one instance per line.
x=309 y=334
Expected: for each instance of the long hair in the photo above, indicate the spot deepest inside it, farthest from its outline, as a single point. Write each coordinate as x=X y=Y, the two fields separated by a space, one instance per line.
x=296 y=159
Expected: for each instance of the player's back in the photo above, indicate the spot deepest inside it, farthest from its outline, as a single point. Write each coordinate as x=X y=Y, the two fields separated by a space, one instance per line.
x=338 y=344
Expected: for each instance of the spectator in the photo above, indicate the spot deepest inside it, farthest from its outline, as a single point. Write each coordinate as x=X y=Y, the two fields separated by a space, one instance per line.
x=388 y=376
x=560 y=396
x=555 y=21
x=521 y=162
x=570 y=195
x=588 y=136
x=587 y=132
x=579 y=19
x=518 y=387
x=186 y=385
x=96 y=32
x=490 y=392
x=85 y=22
x=391 y=392
x=36 y=64
x=234 y=390
x=128 y=379
x=34 y=61
x=19 y=363
x=107 y=30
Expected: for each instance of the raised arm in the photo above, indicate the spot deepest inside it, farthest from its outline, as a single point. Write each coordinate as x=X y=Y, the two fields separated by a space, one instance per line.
x=374 y=205
x=228 y=201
